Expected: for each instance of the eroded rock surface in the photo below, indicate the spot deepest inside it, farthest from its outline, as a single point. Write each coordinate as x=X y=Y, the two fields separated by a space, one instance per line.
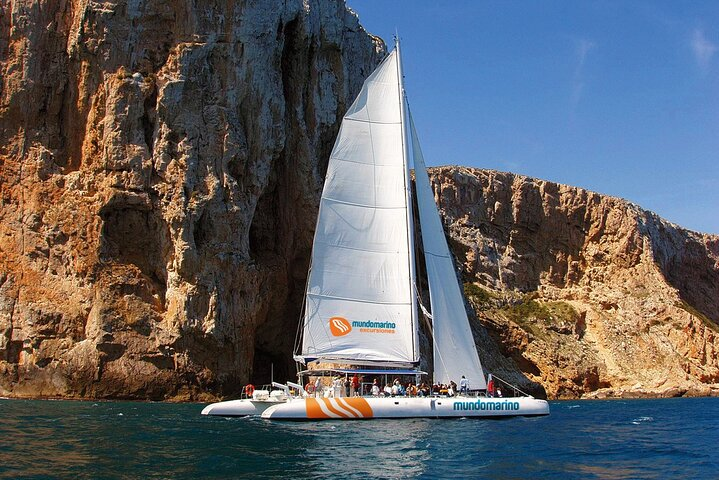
x=585 y=294
x=160 y=169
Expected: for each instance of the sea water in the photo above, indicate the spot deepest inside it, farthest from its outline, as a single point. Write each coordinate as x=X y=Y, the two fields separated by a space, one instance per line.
x=614 y=439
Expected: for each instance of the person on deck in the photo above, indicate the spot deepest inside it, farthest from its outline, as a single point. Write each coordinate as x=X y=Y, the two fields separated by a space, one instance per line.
x=337 y=387
x=375 y=388
x=423 y=390
x=388 y=390
x=354 y=389
x=318 y=387
x=464 y=386
x=411 y=390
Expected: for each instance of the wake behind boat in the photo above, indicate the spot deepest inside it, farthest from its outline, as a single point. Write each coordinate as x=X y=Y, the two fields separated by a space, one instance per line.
x=361 y=301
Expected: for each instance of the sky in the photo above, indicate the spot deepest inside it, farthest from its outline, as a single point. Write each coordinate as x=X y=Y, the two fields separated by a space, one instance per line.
x=618 y=97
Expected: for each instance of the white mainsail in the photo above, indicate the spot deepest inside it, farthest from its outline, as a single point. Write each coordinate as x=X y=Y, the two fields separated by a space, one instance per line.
x=360 y=305
x=455 y=353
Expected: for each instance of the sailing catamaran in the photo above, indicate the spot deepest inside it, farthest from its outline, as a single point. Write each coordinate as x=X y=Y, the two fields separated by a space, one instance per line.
x=361 y=298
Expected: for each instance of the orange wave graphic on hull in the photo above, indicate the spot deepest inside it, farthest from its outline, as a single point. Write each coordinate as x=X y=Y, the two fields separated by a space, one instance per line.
x=354 y=407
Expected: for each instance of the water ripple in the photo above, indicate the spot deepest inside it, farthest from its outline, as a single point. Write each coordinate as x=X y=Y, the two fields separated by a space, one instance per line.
x=644 y=439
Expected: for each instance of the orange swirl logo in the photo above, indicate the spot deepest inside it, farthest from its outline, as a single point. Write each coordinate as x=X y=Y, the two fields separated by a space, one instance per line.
x=339 y=326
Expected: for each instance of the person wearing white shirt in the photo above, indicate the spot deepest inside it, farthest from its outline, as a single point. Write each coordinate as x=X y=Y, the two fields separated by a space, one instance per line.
x=463 y=385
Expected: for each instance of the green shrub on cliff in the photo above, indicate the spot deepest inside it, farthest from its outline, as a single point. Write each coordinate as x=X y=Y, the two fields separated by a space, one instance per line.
x=477 y=293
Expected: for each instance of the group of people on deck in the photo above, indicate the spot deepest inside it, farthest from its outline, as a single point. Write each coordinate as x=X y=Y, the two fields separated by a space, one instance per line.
x=409 y=389
x=492 y=389
x=340 y=387
x=353 y=387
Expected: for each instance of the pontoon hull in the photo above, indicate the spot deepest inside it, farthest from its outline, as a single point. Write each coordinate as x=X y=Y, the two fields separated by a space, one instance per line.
x=239 y=408
x=358 y=408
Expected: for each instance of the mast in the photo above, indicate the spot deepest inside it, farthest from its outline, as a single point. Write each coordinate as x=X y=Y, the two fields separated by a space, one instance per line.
x=408 y=189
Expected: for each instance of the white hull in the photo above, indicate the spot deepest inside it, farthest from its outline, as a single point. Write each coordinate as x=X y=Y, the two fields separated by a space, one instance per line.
x=239 y=408
x=357 y=408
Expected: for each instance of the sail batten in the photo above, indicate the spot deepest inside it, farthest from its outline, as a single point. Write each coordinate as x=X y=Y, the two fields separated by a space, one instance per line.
x=333 y=200
x=358 y=300
x=361 y=249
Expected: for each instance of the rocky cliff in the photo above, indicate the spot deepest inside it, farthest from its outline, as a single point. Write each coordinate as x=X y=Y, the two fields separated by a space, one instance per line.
x=160 y=167
x=584 y=294
x=160 y=170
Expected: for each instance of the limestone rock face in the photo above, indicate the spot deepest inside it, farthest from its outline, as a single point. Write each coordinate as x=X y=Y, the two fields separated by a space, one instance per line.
x=161 y=164
x=585 y=294
x=160 y=169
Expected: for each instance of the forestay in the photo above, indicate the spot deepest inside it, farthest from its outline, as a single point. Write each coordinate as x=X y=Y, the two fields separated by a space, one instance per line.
x=359 y=300
x=455 y=353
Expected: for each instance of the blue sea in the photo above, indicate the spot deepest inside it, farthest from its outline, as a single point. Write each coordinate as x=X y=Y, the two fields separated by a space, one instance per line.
x=616 y=439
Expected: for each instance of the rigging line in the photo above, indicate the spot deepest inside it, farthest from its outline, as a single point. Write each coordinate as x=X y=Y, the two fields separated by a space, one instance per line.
x=424 y=310
x=421 y=302
x=427 y=315
x=299 y=335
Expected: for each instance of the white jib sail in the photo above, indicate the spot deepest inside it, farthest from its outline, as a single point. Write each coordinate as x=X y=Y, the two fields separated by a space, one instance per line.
x=455 y=353
x=359 y=300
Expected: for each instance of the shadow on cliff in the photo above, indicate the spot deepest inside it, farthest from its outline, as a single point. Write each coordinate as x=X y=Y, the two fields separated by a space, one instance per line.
x=690 y=263
x=133 y=233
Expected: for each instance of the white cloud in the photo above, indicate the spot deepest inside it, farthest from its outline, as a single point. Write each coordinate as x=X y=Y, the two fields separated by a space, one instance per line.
x=583 y=48
x=703 y=48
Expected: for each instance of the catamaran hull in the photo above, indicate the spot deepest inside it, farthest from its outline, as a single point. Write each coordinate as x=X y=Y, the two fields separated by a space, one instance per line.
x=360 y=408
x=239 y=408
